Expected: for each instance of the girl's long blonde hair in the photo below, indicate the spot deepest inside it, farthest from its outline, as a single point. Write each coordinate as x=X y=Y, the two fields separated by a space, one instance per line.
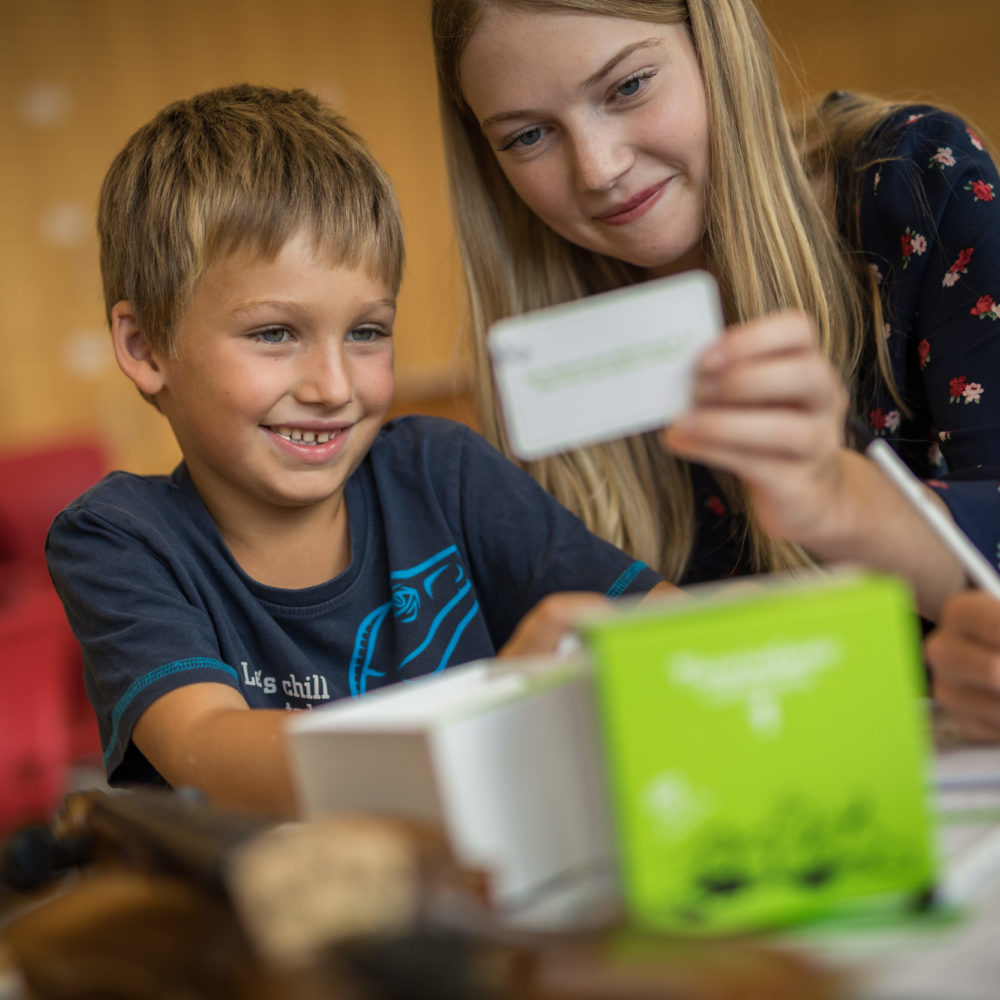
x=767 y=242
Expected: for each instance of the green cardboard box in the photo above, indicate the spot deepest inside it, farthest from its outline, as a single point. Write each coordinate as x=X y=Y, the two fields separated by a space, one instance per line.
x=767 y=752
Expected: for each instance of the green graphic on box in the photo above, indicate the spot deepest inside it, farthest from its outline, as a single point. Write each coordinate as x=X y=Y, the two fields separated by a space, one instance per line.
x=767 y=753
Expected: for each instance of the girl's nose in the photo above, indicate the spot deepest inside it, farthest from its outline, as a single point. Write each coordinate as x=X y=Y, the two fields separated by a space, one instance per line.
x=601 y=158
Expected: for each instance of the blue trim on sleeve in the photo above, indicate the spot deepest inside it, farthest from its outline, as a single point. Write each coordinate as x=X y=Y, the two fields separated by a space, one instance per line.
x=138 y=685
x=621 y=584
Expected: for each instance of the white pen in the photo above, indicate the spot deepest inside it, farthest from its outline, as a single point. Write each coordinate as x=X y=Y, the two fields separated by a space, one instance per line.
x=972 y=560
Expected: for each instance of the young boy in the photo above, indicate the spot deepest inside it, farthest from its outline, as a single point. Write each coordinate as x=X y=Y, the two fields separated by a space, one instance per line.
x=251 y=252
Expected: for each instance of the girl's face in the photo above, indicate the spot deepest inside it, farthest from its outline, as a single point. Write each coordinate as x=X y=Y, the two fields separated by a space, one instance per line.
x=600 y=125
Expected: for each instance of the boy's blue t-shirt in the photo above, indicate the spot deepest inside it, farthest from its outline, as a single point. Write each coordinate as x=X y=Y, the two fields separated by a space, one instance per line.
x=451 y=545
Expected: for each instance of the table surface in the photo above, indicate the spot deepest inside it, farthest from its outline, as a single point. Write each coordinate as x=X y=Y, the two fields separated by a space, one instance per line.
x=941 y=960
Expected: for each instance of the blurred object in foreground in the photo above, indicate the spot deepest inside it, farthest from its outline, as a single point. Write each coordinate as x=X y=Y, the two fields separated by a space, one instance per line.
x=173 y=898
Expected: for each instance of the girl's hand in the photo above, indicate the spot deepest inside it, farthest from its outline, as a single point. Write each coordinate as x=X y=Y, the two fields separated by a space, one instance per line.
x=769 y=407
x=964 y=654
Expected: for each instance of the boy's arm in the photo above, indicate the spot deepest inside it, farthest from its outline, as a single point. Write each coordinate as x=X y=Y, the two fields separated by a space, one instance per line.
x=206 y=736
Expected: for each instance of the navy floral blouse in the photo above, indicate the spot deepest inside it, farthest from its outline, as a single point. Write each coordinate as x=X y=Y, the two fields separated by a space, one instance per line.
x=930 y=230
x=929 y=219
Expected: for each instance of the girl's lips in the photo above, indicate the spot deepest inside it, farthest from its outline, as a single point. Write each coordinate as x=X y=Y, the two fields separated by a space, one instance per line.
x=634 y=208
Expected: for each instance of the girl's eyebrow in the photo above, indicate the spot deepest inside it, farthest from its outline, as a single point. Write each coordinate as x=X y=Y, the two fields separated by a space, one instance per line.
x=595 y=78
x=619 y=56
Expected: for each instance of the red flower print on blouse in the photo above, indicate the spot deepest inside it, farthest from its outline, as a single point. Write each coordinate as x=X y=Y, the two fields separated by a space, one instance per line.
x=956 y=387
x=962 y=262
x=985 y=308
x=944 y=157
x=716 y=506
x=981 y=190
x=961 y=266
x=911 y=243
x=976 y=141
x=881 y=422
x=924 y=352
x=972 y=392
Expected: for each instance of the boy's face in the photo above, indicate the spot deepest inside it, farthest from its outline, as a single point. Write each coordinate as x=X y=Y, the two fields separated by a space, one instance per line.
x=280 y=379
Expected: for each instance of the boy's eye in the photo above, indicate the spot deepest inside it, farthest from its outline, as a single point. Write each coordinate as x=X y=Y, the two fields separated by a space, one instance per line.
x=366 y=334
x=273 y=335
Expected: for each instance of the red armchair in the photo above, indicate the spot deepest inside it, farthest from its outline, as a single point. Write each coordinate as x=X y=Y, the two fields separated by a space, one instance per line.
x=46 y=722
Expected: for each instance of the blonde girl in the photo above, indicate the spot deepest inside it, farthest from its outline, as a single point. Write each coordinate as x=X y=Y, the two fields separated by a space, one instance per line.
x=597 y=143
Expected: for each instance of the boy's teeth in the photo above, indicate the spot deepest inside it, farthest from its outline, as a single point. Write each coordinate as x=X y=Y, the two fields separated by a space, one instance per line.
x=304 y=437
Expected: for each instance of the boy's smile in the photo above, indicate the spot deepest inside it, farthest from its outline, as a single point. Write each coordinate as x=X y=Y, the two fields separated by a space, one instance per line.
x=280 y=379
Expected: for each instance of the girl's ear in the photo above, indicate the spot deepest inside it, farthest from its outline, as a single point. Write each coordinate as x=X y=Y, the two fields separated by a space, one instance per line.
x=133 y=352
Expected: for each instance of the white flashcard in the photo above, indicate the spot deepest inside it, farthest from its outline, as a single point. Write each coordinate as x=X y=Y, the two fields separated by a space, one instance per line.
x=605 y=366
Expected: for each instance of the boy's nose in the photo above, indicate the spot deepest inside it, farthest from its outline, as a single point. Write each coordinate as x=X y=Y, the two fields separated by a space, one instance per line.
x=324 y=379
x=600 y=159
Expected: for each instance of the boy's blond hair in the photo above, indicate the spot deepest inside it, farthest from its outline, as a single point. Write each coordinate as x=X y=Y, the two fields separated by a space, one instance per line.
x=239 y=167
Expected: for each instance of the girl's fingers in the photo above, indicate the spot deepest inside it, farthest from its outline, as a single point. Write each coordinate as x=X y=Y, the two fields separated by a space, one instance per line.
x=975 y=710
x=959 y=659
x=805 y=381
x=746 y=436
x=964 y=654
x=973 y=614
x=776 y=333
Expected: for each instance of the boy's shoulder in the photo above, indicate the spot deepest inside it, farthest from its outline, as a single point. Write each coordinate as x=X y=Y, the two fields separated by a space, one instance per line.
x=417 y=428
x=126 y=498
x=434 y=442
x=415 y=455
x=119 y=483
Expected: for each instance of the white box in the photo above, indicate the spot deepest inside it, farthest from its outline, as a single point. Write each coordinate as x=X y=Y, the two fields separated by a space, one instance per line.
x=503 y=755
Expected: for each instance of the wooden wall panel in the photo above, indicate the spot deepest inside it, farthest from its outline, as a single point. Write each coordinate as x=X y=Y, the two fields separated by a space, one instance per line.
x=902 y=49
x=78 y=76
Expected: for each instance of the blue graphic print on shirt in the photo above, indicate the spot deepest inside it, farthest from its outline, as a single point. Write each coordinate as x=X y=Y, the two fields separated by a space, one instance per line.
x=432 y=604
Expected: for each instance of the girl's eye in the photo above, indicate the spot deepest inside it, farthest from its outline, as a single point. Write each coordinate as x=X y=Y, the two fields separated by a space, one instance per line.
x=632 y=86
x=273 y=335
x=529 y=137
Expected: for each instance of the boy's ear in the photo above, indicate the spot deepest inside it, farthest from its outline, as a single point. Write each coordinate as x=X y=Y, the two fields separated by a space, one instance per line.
x=133 y=352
